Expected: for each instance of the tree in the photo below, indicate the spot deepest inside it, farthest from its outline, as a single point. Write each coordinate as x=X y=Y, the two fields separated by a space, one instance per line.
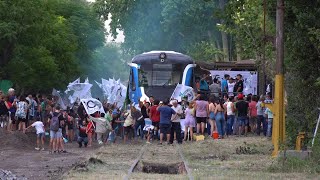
x=45 y=44
x=163 y=25
x=302 y=61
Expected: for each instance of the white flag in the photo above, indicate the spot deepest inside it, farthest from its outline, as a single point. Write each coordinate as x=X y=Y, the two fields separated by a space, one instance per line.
x=183 y=91
x=92 y=105
x=59 y=99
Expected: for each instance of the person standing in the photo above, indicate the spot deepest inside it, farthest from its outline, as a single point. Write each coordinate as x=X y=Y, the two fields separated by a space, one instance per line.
x=242 y=108
x=4 y=112
x=32 y=108
x=231 y=85
x=154 y=115
x=166 y=113
x=261 y=122
x=269 y=117
x=202 y=111
x=215 y=88
x=176 y=126
x=220 y=119
x=21 y=113
x=12 y=110
x=212 y=121
x=128 y=124
x=230 y=115
x=190 y=121
x=238 y=87
x=55 y=130
x=253 y=113
x=224 y=84
x=138 y=119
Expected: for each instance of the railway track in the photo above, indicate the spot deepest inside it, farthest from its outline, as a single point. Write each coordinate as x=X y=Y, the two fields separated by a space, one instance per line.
x=161 y=159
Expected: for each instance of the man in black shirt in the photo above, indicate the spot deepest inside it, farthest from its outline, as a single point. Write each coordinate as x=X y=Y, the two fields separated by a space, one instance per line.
x=242 y=108
x=238 y=87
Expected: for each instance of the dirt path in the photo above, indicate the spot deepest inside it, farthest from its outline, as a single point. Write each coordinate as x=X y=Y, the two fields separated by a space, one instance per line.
x=234 y=157
x=18 y=156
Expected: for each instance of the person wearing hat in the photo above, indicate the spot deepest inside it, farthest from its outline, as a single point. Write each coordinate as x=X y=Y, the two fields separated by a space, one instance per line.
x=242 y=108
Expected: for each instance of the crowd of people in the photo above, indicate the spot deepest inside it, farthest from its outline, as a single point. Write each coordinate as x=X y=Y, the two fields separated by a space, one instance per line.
x=213 y=111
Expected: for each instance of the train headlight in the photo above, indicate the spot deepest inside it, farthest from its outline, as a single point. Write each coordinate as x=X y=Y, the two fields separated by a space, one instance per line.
x=162 y=57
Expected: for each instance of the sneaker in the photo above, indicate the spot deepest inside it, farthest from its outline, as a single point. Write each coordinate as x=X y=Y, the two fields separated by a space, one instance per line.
x=37 y=148
x=148 y=142
x=42 y=149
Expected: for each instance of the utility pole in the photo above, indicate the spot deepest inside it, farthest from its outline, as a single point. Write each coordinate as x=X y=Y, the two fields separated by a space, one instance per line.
x=278 y=109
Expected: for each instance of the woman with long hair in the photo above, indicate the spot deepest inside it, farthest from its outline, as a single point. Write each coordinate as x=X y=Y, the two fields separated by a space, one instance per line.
x=21 y=113
x=212 y=121
x=189 y=122
x=202 y=109
x=219 y=115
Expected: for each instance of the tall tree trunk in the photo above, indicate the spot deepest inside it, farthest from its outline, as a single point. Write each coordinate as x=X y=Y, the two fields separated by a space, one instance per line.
x=224 y=36
x=212 y=41
x=217 y=43
x=238 y=50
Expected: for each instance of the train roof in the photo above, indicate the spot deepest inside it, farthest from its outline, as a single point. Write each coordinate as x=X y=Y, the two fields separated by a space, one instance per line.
x=153 y=56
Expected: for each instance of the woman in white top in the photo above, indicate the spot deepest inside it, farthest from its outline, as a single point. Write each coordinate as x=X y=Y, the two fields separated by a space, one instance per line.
x=212 y=121
x=230 y=115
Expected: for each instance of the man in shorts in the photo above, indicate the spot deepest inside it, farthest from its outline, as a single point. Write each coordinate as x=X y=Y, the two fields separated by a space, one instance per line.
x=166 y=113
x=154 y=115
x=55 y=134
x=242 y=108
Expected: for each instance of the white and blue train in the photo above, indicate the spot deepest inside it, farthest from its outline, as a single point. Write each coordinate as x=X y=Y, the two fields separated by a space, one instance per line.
x=157 y=73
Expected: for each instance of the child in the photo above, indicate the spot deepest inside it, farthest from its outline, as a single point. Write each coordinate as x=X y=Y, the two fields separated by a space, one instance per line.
x=83 y=137
x=148 y=131
x=40 y=133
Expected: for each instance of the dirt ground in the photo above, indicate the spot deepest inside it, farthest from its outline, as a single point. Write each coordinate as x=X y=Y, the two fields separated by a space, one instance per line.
x=234 y=157
x=17 y=154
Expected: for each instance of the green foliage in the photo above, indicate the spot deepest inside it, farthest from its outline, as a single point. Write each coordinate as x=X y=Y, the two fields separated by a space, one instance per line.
x=302 y=65
x=108 y=62
x=291 y=164
x=162 y=25
x=245 y=20
x=204 y=51
x=46 y=44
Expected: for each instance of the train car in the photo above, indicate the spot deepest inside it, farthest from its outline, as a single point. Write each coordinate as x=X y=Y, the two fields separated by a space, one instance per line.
x=157 y=73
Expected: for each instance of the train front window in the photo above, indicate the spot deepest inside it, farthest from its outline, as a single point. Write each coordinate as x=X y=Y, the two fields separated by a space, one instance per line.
x=160 y=74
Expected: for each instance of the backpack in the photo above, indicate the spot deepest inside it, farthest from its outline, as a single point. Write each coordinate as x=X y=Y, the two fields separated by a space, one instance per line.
x=54 y=123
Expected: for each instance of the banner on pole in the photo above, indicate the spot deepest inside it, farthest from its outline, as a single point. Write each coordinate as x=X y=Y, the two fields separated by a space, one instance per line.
x=92 y=105
x=182 y=91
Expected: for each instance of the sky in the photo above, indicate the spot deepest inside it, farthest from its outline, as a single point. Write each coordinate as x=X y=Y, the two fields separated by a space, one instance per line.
x=120 y=37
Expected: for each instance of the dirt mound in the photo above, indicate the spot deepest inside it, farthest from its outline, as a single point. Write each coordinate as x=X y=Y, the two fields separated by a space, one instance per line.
x=16 y=139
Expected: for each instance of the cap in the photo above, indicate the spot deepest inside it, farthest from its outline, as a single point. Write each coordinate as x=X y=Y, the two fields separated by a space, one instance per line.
x=240 y=96
x=161 y=102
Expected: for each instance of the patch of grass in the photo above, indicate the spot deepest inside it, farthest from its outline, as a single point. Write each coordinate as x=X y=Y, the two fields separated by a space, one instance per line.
x=294 y=165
